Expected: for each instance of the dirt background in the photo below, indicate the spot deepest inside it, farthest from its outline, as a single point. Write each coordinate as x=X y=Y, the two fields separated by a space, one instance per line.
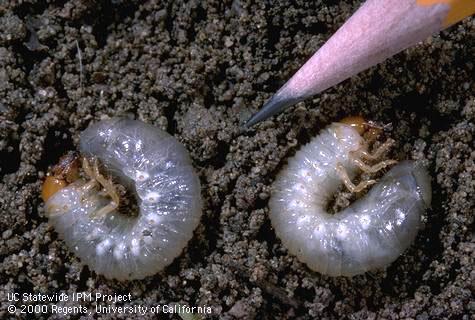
x=199 y=70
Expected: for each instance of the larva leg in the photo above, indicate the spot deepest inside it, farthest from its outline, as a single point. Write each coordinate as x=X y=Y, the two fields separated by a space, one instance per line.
x=347 y=181
x=108 y=186
x=88 y=186
x=105 y=210
x=378 y=152
x=87 y=168
x=88 y=171
x=374 y=168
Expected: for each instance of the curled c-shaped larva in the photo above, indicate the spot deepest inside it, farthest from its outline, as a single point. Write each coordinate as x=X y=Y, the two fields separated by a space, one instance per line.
x=157 y=171
x=370 y=233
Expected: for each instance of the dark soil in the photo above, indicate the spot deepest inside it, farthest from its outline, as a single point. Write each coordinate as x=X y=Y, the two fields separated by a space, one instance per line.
x=199 y=69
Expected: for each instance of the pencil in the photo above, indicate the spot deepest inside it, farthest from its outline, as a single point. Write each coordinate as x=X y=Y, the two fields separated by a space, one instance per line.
x=376 y=31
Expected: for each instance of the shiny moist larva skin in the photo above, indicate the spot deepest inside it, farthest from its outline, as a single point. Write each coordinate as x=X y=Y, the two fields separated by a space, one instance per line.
x=369 y=234
x=156 y=169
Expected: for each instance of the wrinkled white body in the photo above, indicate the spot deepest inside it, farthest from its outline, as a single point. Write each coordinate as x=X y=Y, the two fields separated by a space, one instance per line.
x=157 y=170
x=369 y=234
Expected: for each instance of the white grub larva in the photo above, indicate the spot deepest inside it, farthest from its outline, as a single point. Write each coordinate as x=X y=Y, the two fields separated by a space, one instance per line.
x=157 y=170
x=370 y=233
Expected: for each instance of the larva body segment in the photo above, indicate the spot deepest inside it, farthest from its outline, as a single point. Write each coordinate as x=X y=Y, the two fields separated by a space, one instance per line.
x=157 y=170
x=370 y=233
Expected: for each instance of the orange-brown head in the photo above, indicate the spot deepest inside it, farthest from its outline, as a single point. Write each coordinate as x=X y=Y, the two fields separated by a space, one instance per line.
x=62 y=174
x=362 y=126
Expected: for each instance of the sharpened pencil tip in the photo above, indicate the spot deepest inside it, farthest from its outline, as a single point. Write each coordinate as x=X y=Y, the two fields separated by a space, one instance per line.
x=274 y=105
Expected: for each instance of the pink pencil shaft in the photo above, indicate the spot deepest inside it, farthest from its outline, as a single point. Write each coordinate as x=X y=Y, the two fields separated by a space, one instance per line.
x=377 y=31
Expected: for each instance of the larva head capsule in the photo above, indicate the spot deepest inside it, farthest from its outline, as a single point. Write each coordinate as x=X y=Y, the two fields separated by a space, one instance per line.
x=362 y=126
x=62 y=174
